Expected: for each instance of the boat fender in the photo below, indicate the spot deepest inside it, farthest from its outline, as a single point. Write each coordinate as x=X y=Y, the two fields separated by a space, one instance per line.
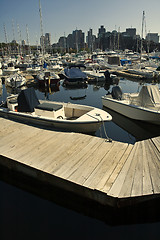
x=60 y=117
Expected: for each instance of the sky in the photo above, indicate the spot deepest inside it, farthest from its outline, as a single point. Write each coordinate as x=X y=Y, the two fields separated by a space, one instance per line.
x=62 y=17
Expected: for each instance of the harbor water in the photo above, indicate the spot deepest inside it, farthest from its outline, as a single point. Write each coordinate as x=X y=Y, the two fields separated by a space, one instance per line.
x=25 y=215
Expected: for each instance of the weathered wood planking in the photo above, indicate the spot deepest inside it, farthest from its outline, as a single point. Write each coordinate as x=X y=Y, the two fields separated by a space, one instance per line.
x=119 y=170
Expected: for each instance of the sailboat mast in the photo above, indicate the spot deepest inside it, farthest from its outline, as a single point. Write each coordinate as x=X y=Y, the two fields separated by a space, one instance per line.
x=28 y=43
x=143 y=18
x=20 y=39
x=42 y=36
x=6 y=39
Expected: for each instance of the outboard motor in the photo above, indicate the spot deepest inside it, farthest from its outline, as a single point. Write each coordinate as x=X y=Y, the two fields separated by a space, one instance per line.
x=107 y=75
x=116 y=93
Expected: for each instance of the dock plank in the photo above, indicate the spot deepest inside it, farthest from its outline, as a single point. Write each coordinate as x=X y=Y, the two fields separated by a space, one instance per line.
x=82 y=171
x=126 y=189
x=76 y=144
x=118 y=155
x=57 y=149
x=115 y=190
x=112 y=178
x=105 y=167
x=137 y=184
x=147 y=183
x=75 y=161
x=154 y=166
x=15 y=147
x=156 y=142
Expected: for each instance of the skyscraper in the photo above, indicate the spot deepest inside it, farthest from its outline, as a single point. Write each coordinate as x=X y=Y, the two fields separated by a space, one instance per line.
x=47 y=39
x=90 y=39
x=101 y=31
x=78 y=39
x=152 y=37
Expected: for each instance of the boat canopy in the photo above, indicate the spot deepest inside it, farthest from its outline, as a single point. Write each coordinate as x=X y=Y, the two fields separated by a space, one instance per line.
x=74 y=73
x=27 y=100
x=149 y=96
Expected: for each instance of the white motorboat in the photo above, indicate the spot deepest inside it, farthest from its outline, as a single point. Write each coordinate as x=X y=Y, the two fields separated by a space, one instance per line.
x=10 y=69
x=15 y=81
x=144 y=106
x=96 y=75
x=34 y=68
x=25 y=107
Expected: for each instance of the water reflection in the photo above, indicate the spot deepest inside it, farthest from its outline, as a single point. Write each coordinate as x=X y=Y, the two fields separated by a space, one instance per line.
x=26 y=216
x=145 y=212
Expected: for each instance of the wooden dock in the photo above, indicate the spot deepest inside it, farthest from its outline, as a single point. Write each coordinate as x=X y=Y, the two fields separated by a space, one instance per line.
x=112 y=174
x=135 y=77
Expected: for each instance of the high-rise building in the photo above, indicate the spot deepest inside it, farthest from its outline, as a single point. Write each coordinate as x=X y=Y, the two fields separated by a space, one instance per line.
x=69 y=41
x=62 y=43
x=90 y=39
x=47 y=39
x=78 y=39
x=131 y=32
x=42 y=41
x=152 y=37
x=101 y=31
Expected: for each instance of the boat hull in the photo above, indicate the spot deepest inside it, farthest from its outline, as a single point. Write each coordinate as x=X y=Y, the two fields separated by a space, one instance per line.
x=16 y=84
x=79 y=125
x=131 y=111
x=53 y=82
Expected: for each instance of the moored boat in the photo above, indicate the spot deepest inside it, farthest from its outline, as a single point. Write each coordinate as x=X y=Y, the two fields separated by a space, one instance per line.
x=143 y=106
x=26 y=107
x=15 y=81
x=47 y=78
x=74 y=76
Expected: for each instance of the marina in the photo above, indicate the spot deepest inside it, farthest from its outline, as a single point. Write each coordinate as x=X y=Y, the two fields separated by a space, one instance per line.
x=79 y=121
x=29 y=187
x=47 y=148
x=114 y=176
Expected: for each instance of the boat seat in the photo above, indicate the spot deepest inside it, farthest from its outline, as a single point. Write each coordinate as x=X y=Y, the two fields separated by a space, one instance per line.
x=49 y=106
x=50 y=110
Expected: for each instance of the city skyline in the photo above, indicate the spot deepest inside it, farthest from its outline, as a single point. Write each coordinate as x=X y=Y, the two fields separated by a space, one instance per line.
x=64 y=17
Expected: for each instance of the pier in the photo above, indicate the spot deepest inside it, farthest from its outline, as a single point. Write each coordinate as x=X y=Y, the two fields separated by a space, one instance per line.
x=135 y=77
x=112 y=175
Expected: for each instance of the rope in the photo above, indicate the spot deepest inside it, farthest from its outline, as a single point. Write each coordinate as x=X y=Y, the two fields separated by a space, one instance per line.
x=107 y=138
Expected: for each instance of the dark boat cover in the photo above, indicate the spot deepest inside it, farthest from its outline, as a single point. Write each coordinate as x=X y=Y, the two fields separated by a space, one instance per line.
x=73 y=73
x=27 y=100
